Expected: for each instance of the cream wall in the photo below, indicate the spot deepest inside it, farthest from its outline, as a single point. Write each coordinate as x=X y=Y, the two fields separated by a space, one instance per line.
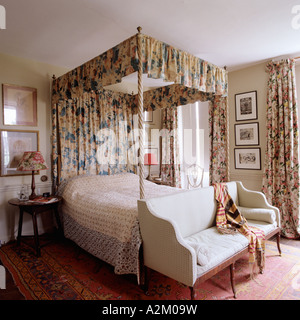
x=245 y=80
x=27 y=73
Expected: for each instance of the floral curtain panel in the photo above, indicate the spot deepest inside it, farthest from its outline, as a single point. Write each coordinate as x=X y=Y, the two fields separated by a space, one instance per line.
x=95 y=135
x=218 y=140
x=281 y=173
x=170 y=150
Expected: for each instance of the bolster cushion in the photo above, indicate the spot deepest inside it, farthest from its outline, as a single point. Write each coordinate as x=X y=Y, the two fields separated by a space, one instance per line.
x=260 y=214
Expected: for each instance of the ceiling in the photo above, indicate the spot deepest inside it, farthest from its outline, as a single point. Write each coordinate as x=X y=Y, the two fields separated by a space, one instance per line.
x=67 y=33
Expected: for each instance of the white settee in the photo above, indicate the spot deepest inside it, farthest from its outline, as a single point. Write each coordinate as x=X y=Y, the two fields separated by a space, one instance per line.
x=181 y=241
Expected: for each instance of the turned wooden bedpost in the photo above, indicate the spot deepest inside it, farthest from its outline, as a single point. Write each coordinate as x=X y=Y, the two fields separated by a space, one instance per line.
x=55 y=124
x=140 y=114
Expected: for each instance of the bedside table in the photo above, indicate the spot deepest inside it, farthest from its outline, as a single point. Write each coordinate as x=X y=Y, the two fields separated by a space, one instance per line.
x=34 y=208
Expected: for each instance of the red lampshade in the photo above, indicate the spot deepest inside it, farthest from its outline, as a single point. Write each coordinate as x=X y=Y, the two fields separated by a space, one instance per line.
x=150 y=159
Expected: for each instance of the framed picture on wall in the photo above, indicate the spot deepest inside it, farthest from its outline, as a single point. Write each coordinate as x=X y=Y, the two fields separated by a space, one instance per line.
x=19 y=105
x=248 y=159
x=13 y=144
x=246 y=106
x=247 y=134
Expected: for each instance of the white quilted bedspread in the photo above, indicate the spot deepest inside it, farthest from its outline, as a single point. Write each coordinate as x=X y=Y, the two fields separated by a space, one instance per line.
x=107 y=205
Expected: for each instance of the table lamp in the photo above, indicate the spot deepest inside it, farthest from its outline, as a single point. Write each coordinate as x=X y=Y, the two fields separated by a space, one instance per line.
x=32 y=161
x=149 y=160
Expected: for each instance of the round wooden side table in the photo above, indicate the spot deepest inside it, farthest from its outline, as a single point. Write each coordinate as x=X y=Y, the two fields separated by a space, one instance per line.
x=34 y=208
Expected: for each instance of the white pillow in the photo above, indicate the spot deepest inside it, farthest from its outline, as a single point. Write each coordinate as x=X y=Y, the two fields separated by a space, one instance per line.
x=260 y=214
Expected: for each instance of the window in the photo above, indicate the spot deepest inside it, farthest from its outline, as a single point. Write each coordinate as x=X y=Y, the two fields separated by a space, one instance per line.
x=193 y=133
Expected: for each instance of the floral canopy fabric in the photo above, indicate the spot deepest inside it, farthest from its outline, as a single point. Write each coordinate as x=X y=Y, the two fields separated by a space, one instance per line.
x=81 y=106
x=160 y=61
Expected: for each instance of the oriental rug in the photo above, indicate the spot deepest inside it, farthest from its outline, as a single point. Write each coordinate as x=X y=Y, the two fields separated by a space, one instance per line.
x=65 y=272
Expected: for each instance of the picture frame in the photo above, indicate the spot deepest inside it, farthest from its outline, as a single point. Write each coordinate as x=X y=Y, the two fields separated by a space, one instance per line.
x=19 y=105
x=13 y=144
x=248 y=159
x=148 y=116
x=247 y=134
x=246 y=106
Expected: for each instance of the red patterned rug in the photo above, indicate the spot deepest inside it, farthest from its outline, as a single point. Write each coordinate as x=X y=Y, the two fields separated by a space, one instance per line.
x=65 y=272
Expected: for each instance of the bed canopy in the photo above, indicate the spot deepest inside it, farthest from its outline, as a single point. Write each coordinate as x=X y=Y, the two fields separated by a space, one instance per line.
x=194 y=80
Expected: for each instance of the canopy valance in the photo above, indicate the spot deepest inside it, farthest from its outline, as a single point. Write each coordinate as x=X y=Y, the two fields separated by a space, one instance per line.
x=159 y=60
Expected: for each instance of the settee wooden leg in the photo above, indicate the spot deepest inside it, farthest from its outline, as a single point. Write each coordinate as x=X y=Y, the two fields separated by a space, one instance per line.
x=192 y=293
x=146 y=284
x=232 y=279
x=278 y=243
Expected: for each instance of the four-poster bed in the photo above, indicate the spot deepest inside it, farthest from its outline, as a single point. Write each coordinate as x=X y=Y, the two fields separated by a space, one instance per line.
x=86 y=158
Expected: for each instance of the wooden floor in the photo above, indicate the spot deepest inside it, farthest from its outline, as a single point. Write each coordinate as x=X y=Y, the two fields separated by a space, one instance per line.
x=12 y=293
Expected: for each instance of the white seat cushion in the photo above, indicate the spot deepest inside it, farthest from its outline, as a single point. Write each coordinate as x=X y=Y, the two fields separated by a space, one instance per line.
x=265 y=226
x=213 y=248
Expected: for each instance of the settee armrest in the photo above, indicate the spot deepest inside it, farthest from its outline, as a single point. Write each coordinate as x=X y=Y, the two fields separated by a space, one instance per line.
x=255 y=199
x=164 y=249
